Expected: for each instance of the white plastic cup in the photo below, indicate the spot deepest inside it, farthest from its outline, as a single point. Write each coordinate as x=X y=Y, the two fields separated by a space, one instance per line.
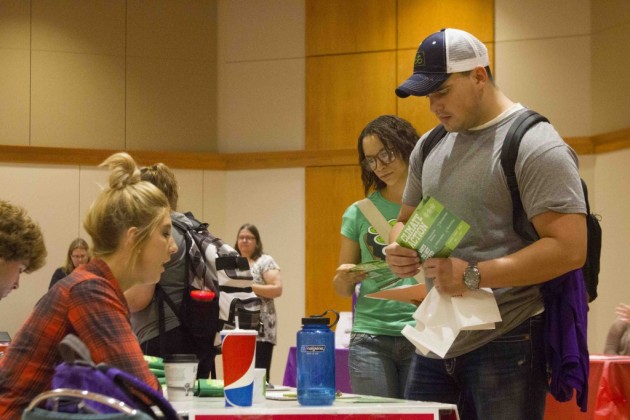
x=180 y=371
x=260 y=385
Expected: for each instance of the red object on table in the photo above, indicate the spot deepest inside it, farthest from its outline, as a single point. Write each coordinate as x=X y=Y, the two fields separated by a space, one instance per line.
x=608 y=392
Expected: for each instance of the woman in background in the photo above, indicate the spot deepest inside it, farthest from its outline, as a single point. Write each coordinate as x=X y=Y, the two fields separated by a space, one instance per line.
x=78 y=253
x=267 y=285
x=130 y=227
x=379 y=355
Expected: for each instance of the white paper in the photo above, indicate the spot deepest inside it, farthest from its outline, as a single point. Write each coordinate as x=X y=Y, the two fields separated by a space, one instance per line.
x=440 y=318
x=343 y=330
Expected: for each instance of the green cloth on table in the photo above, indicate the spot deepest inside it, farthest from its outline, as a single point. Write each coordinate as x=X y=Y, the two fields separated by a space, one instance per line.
x=158 y=372
x=156 y=366
x=209 y=388
x=154 y=362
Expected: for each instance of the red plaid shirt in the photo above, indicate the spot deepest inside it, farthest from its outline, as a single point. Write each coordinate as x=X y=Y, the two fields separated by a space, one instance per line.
x=88 y=303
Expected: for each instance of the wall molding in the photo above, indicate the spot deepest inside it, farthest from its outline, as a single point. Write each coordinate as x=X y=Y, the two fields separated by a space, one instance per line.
x=597 y=144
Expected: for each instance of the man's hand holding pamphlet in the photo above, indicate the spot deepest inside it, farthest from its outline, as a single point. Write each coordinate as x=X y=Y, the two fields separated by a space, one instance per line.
x=432 y=230
x=435 y=232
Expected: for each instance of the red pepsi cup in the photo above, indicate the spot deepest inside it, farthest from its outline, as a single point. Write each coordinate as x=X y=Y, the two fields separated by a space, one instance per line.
x=238 y=350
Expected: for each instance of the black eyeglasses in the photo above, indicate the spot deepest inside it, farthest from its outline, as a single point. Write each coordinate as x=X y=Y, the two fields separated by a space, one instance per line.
x=385 y=156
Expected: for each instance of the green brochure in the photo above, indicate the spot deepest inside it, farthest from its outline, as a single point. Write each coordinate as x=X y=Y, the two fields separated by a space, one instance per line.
x=379 y=271
x=432 y=230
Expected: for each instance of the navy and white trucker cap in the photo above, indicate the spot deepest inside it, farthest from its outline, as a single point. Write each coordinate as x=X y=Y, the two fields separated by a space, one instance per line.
x=439 y=55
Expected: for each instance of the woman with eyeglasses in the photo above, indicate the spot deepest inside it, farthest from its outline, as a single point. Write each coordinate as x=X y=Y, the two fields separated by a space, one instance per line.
x=267 y=285
x=78 y=253
x=379 y=355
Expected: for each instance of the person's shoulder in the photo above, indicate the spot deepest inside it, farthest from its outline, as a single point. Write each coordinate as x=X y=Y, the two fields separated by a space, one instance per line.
x=266 y=259
x=351 y=210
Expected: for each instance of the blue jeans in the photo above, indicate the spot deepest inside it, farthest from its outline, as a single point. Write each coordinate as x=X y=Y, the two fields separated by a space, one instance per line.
x=505 y=379
x=379 y=364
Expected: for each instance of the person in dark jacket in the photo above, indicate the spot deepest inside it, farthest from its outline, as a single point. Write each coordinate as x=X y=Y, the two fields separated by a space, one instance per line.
x=78 y=253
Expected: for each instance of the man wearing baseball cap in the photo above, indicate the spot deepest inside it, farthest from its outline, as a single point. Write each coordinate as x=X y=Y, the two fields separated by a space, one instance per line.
x=498 y=373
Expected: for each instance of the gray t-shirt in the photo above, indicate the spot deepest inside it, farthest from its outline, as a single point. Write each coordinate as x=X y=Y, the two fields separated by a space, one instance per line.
x=145 y=322
x=464 y=173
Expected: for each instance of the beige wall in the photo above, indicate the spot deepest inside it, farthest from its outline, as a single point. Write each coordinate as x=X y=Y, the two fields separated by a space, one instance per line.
x=109 y=74
x=545 y=60
x=568 y=61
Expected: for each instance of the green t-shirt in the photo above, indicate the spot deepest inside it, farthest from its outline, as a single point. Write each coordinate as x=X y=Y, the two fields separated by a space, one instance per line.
x=375 y=316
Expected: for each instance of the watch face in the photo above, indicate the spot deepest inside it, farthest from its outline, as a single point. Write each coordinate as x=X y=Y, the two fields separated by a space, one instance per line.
x=472 y=277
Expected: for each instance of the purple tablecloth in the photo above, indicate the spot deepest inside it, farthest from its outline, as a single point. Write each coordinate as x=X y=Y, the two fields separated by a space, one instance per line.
x=342 y=375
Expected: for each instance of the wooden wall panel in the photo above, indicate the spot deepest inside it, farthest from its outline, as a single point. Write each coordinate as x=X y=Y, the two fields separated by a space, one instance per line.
x=419 y=18
x=329 y=191
x=347 y=26
x=345 y=92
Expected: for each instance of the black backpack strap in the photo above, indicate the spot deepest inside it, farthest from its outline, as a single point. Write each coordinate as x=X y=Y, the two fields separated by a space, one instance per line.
x=71 y=346
x=432 y=139
x=585 y=191
x=162 y=297
x=509 y=154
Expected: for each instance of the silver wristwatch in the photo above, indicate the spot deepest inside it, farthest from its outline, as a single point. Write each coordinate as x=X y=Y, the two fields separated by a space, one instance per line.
x=472 y=277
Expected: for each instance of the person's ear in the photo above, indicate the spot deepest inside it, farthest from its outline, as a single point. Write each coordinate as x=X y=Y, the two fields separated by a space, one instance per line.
x=480 y=75
x=129 y=238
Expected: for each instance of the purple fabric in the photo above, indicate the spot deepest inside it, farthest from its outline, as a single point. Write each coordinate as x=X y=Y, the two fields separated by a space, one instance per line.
x=342 y=373
x=111 y=382
x=88 y=377
x=565 y=337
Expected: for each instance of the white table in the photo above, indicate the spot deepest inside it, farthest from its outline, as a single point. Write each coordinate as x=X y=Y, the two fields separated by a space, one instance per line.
x=347 y=407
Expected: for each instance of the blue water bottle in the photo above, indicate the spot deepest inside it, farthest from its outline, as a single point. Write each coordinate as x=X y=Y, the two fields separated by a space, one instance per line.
x=316 y=361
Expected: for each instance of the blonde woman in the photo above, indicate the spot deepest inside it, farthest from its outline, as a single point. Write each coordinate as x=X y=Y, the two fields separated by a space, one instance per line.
x=78 y=253
x=130 y=227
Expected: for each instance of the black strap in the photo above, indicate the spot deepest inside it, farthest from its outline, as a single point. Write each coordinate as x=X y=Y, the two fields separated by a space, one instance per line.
x=432 y=139
x=162 y=297
x=585 y=191
x=509 y=154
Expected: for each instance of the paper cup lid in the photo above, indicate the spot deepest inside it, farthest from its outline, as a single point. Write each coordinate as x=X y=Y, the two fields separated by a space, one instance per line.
x=238 y=331
x=181 y=358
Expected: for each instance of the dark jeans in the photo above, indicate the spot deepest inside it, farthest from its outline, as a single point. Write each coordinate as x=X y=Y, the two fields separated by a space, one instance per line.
x=179 y=341
x=505 y=379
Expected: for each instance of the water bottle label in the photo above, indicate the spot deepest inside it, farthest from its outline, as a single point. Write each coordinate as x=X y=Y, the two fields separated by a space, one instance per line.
x=313 y=348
